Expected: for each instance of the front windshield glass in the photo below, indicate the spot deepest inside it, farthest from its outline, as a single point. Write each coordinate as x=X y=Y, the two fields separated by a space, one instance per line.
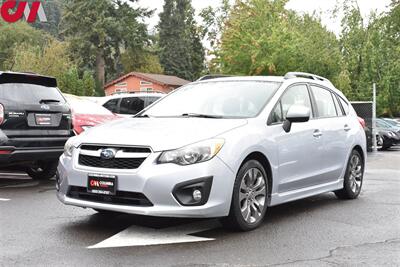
x=227 y=99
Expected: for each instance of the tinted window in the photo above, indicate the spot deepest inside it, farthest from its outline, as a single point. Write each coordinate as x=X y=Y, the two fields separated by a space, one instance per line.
x=28 y=93
x=338 y=108
x=296 y=95
x=325 y=105
x=233 y=99
x=112 y=105
x=151 y=100
x=131 y=105
x=344 y=105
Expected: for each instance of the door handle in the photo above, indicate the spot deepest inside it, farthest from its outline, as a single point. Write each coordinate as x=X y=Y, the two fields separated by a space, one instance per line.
x=347 y=128
x=317 y=133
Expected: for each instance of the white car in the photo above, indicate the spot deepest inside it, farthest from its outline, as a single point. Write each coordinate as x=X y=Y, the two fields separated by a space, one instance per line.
x=126 y=104
x=225 y=147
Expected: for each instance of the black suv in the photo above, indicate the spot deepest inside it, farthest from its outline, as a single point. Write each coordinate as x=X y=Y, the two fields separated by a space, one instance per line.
x=35 y=123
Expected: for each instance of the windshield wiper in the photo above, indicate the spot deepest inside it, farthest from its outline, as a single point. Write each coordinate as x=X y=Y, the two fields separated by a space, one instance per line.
x=43 y=101
x=197 y=115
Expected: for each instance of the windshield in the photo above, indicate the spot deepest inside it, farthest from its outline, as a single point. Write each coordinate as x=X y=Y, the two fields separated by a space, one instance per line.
x=383 y=124
x=233 y=99
x=392 y=123
x=29 y=93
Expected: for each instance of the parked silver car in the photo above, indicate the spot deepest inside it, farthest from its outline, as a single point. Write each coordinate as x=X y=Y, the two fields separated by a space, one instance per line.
x=225 y=147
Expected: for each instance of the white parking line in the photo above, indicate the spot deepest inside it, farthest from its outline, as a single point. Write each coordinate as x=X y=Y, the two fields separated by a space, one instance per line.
x=143 y=236
x=4 y=199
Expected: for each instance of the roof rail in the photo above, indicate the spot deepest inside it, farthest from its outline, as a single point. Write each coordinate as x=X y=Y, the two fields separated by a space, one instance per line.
x=212 y=76
x=291 y=75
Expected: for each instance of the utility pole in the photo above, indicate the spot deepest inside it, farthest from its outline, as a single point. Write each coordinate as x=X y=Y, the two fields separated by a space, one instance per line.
x=374 y=143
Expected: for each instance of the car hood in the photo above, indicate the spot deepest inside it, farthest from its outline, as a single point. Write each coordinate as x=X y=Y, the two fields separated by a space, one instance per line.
x=158 y=133
x=91 y=119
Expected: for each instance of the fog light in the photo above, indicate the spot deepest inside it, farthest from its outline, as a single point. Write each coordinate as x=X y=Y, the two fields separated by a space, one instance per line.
x=197 y=195
x=194 y=192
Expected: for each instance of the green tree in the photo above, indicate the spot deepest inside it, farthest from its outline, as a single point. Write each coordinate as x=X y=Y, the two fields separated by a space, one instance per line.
x=143 y=59
x=181 y=50
x=13 y=36
x=53 y=10
x=371 y=55
x=54 y=60
x=263 y=38
x=213 y=24
x=100 y=30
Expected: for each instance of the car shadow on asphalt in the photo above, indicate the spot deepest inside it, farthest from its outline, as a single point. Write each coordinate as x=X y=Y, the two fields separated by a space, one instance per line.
x=21 y=182
x=109 y=224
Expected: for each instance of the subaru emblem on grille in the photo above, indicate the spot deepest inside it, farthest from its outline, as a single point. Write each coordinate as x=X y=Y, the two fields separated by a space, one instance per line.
x=108 y=153
x=46 y=107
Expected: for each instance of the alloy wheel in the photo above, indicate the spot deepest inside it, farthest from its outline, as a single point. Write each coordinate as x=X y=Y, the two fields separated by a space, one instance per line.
x=355 y=176
x=252 y=195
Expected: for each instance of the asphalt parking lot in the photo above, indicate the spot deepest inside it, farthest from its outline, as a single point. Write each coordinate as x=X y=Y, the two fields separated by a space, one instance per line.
x=37 y=230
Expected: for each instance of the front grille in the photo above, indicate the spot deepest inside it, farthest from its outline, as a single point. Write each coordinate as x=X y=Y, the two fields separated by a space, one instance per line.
x=124 y=149
x=115 y=163
x=120 y=198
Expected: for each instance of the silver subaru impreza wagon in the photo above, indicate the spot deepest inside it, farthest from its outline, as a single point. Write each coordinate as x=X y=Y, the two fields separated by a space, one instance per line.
x=227 y=147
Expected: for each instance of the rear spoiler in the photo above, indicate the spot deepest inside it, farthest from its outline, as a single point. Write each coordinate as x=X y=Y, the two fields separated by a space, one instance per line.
x=29 y=78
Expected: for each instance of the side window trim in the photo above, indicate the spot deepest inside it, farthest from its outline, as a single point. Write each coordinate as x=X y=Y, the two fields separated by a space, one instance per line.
x=340 y=105
x=269 y=120
x=340 y=99
x=334 y=104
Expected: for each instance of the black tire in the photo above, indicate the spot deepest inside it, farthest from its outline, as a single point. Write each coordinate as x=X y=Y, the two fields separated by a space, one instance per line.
x=352 y=183
x=386 y=146
x=235 y=220
x=43 y=170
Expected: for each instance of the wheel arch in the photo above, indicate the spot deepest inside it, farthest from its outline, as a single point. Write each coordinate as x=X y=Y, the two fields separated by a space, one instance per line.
x=359 y=149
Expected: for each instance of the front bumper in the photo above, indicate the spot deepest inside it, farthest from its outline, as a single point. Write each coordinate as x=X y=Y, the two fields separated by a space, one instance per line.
x=156 y=182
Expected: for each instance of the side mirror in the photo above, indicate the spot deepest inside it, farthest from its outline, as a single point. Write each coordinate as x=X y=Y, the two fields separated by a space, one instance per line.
x=296 y=114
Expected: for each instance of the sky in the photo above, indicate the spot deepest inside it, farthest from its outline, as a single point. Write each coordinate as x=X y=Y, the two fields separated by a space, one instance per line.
x=301 y=6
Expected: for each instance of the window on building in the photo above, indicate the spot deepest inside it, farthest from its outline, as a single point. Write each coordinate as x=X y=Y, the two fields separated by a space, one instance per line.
x=120 y=90
x=145 y=83
x=124 y=84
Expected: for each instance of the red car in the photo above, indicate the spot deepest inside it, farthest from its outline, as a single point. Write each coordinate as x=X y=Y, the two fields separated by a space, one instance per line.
x=86 y=114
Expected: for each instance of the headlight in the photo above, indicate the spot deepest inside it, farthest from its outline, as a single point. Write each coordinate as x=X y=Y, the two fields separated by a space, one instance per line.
x=69 y=147
x=191 y=154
